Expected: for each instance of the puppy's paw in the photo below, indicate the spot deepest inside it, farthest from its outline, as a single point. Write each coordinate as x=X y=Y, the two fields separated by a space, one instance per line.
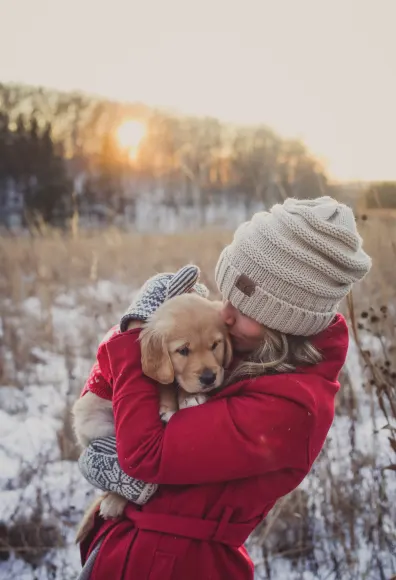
x=192 y=401
x=112 y=506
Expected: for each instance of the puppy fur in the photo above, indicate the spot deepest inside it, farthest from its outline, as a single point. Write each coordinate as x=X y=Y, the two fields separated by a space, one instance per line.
x=185 y=347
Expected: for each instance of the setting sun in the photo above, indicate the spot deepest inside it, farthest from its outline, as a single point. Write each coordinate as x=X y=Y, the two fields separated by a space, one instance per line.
x=130 y=135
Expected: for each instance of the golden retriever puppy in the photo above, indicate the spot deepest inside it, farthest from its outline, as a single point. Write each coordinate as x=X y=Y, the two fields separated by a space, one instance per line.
x=186 y=341
x=185 y=347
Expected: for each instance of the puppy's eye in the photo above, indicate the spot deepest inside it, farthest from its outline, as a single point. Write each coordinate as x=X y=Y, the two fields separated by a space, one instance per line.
x=184 y=351
x=215 y=345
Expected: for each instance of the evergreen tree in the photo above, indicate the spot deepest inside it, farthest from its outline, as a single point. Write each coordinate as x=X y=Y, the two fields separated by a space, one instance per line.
x=49 y=192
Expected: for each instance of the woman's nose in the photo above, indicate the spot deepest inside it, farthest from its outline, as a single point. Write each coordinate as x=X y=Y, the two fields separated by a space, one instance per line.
x=228 y=314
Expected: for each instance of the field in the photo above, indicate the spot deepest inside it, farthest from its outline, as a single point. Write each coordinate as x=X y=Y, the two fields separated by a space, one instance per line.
x=59 y=293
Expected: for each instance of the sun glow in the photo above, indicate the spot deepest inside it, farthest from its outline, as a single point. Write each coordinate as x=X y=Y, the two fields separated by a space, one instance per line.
x=129 y=135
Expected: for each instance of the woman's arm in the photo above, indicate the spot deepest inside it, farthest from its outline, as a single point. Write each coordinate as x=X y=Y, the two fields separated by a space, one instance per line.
x=225 y=439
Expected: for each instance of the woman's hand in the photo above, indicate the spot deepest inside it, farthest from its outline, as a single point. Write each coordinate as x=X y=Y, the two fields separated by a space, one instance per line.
x=160 y=288
x=99 y=465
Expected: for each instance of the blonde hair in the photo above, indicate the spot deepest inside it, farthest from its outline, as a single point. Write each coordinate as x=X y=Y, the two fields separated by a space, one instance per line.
x=278 y=353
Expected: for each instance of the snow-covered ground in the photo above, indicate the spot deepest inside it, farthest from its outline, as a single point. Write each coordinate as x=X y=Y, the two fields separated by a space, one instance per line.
x=151 y=211
x=40 y=482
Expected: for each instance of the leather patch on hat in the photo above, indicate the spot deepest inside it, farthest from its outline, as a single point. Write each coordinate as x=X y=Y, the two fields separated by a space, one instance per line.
x=245 y=285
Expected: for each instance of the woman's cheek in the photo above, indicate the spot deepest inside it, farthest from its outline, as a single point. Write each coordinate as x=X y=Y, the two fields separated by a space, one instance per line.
x=251 y=328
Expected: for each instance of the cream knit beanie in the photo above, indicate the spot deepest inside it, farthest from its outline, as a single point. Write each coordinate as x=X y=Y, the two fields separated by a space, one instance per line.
x=290 y=267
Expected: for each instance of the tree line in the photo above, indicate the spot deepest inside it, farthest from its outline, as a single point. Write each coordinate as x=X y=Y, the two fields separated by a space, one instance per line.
x=49 y=138
x=30 y=163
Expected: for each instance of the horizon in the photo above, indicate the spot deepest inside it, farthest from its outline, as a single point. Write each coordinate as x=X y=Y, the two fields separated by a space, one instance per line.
x=337 y=61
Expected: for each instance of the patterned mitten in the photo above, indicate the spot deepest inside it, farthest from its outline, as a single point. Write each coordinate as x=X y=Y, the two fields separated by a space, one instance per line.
x=99 y=464
x=160 y=288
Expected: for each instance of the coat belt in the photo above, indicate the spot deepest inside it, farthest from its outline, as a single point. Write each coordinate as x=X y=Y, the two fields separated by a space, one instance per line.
x=221 y=531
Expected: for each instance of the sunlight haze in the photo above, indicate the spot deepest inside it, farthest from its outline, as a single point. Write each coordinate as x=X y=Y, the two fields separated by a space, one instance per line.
x=322 y=71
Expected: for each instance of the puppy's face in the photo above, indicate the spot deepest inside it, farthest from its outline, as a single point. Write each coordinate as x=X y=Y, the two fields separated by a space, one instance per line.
x=186 y=340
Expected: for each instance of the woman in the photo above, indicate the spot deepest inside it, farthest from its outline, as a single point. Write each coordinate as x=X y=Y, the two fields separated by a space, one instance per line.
x=220 y=467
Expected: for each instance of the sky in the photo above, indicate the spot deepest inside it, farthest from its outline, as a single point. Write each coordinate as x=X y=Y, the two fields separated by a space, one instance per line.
x=320 y=70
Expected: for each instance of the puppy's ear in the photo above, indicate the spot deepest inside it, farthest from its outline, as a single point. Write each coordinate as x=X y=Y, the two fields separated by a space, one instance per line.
x=156 y=362
x=227 y=351
x=219 y=305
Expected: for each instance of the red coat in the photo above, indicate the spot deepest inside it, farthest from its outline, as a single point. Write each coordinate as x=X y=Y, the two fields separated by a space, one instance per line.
x=221 y=466
x=95 y=382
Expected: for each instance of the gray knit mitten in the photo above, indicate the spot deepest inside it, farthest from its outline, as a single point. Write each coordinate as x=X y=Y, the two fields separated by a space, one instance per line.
x=159 y=288
x=98 y=463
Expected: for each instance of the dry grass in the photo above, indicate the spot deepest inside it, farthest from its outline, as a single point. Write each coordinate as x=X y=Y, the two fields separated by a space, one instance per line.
x=40 y=265
x=46 y=266
x=351 y=505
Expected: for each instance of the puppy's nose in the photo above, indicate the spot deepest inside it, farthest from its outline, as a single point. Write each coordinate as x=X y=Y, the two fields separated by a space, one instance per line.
x=207 y=378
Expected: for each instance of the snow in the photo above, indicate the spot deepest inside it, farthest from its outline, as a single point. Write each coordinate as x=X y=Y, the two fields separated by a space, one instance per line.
x=151 y=213
x=32 y=465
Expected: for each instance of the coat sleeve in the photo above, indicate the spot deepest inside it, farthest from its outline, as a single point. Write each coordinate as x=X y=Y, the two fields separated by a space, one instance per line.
x=96 y=383
x=230 y=438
